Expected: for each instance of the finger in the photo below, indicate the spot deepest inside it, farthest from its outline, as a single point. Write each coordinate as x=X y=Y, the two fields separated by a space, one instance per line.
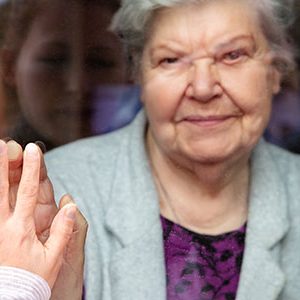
x=15 y=152
x=29 y=183
x=42 y=146
x=15 y=158
x=61 y=230
x=43 y=169
x=4 y=184
x=80 y=226
x=66 y=199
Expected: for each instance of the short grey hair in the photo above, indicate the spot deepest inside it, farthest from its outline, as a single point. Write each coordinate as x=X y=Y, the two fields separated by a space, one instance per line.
x=133 y=20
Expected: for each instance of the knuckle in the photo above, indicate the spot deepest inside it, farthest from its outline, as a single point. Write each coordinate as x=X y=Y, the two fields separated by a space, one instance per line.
x=28 y=189
x=20 y=227
x=67 y=230
x=67 y=235
x=20 y=232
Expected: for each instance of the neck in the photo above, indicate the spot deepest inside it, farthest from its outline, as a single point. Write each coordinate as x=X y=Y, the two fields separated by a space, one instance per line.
x=206 y=198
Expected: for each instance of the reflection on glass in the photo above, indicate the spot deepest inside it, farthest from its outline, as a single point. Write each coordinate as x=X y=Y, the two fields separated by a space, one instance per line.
x=113 y=106
x=55 y=54
x=284 y=126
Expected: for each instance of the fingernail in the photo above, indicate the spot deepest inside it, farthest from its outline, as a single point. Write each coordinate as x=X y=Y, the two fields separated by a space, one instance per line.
x=71 y=211
x=42 y=146
x=13 y=149
x=69 y=198
x=6 y=139
x=2 y=146
x=31 y=150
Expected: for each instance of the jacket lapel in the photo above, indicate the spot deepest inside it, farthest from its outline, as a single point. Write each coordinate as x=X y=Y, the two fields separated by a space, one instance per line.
x=137 y=268
x=261 y=276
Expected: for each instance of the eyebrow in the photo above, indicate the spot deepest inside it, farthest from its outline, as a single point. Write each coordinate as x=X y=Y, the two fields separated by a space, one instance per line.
x=235 y=39
x=167 y=47
x=176 y=47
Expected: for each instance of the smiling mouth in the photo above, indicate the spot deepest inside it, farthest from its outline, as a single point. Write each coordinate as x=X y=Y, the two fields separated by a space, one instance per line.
x=208 y=121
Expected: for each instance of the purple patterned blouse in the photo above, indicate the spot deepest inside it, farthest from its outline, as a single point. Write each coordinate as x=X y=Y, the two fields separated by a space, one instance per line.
x=202 y=267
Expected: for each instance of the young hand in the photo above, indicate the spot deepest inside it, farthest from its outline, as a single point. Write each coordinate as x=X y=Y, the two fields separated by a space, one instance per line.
x=19 y=243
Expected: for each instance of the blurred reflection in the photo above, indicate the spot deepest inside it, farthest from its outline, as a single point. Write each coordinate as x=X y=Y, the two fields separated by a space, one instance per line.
x=2 y=115
x=56 y=54
x=113 y=107
x=284 y=126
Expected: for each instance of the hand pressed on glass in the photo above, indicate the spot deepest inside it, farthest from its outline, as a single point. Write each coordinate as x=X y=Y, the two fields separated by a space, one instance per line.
x=19 y=243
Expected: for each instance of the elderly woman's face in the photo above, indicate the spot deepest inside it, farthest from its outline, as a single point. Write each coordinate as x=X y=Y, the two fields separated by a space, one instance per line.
x=207 y=80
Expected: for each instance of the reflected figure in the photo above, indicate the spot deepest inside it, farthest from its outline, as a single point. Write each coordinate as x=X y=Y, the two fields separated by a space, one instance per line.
x=55 y=53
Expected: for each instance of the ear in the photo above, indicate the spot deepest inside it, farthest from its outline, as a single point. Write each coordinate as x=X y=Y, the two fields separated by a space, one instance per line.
x=8 y=63
x=276 y=80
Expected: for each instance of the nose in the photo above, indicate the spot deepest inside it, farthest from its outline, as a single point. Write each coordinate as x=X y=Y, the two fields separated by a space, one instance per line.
x=73 y=81
x=75 y=41
x=77 y=78
x=204 y=82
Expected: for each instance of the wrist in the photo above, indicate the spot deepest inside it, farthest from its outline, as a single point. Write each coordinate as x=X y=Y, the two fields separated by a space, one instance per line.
x=22 y=284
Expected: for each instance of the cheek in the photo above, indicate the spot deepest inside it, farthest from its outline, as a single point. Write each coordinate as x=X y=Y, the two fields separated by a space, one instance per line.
x=35 y=80
x=258 y=107
x=162 y=95
x=36 y=89
x=250 y=91
x=27 y=84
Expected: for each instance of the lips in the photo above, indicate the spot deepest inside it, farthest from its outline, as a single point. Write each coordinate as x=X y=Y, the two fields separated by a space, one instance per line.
x=207 y=121
x=206 y=118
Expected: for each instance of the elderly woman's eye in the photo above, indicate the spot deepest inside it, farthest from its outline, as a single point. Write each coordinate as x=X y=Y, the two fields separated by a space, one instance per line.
x=169 y=60
x=234 y=56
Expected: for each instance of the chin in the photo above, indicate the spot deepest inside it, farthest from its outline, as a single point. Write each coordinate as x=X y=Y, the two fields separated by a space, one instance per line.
x=209 y=159
x=212 y=153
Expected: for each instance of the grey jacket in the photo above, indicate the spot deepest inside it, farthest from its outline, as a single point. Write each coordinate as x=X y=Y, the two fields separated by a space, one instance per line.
x=110 y=179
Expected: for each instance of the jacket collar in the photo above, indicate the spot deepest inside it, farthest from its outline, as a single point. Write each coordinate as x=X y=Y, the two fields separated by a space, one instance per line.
x=261 y=276
x=137 y=268
x=134 y=208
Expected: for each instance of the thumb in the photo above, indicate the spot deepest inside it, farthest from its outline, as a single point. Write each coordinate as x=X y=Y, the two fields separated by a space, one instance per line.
x=61 y=230
x=80 y=226
x=66 y=199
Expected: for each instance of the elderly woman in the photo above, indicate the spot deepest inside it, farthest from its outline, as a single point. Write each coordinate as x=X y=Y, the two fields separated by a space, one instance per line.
x=188 y=202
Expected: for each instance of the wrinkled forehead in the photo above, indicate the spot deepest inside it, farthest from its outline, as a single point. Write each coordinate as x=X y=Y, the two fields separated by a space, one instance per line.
x=204 y=22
